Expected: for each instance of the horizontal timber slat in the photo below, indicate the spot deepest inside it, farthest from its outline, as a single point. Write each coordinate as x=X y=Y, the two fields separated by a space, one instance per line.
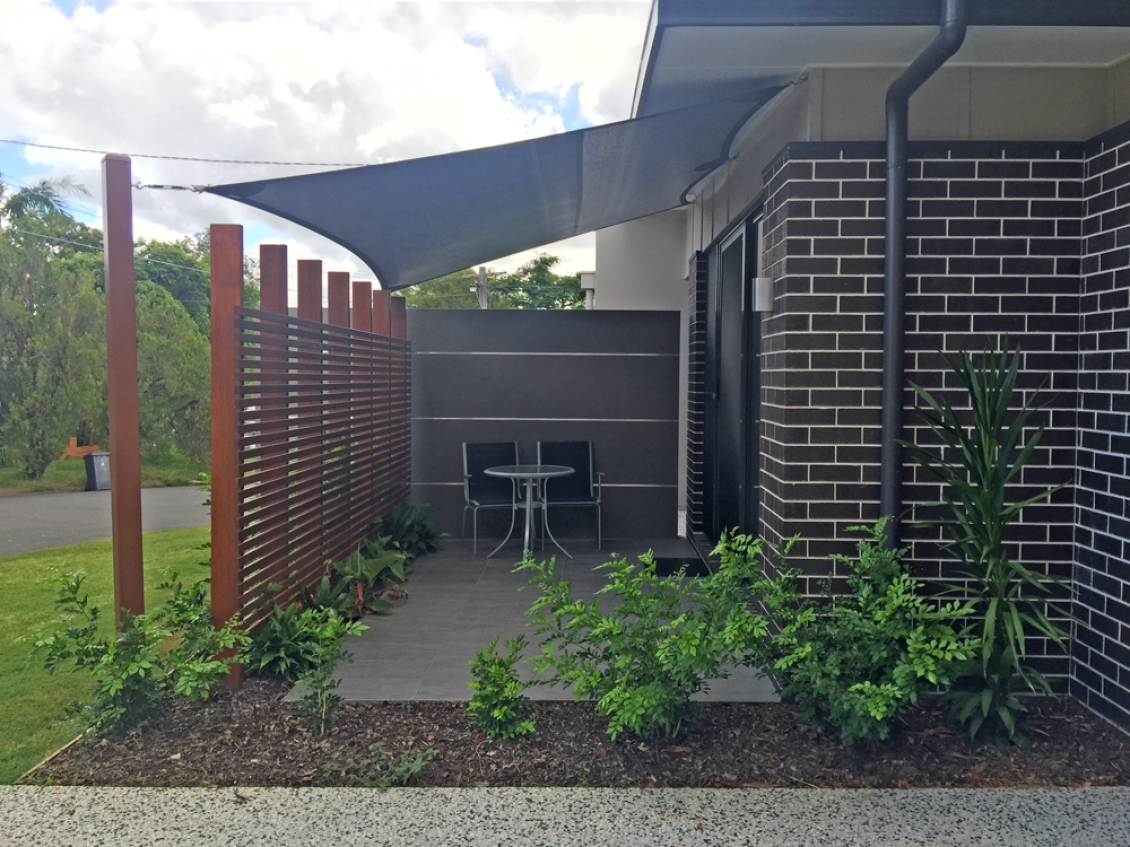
x=323 y=439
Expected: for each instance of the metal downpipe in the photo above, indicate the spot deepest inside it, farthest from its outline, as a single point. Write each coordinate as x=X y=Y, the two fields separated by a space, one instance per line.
x=948 y=41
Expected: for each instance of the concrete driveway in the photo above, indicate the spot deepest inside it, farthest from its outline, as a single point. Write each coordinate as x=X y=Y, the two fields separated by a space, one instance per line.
x=30 y=522
x=562 y=817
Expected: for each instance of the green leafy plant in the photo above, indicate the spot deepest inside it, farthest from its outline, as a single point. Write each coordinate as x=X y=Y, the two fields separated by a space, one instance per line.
x=857 y=659
x=148 y=660
x=498 y=707
x=337 y=595
x=643 y=660
x=319 y=684
x=977 y=464
x=409 y=530
x=288 y=642
x=380 y=769
x=369 y=575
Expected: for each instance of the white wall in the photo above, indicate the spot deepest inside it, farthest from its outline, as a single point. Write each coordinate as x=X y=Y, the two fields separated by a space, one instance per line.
x=642 y=264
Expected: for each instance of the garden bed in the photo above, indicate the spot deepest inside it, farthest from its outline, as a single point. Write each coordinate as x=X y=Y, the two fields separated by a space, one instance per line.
x=253 y=738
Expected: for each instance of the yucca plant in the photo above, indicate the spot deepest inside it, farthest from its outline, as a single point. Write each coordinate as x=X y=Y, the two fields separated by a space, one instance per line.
x=977 y=464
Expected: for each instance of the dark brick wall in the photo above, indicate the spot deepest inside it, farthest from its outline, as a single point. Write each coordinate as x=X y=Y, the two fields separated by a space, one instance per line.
x=993 y=251
x=1101 y=670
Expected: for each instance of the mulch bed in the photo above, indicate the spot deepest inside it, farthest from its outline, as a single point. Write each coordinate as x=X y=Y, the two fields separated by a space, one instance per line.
x=254 y=739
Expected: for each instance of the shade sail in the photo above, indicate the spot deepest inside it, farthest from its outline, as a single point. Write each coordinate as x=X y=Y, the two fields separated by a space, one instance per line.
x=418 y=219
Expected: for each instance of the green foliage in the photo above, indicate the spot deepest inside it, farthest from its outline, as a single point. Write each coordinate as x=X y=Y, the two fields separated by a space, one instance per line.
x=858 y=659
x=532 y=286
x=52 y=345
x=174 y=378
x=408 y=528
x=977 y=464
x=134 y=676
x=498 y=707
x=329 y=594
x=288 y=642
x=665 y=640
x=319 y=684
x=368 y=576
x=52 y=336
x=380 y=769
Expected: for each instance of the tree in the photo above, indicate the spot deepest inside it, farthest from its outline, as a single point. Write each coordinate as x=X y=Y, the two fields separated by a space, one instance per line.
x=44 y=198
x=453 y=291
x=180 y=269
x=532 y=286
x=52 y=353
x=535 y=286
x=174 y=378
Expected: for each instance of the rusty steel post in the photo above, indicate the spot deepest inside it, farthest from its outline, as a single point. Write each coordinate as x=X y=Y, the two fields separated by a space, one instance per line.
x=272 y=278
x=362 y=316
x=382 y=313
x=398 y=318
x=227 y=295
x=121 y=367
x=310 y=289
x=337 y=312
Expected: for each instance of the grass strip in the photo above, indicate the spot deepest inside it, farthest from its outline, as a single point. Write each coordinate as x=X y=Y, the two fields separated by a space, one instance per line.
x=33 y=702
x=70 y=474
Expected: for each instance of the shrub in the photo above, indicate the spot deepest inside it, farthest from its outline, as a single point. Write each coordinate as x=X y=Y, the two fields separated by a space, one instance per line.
x=134 y=676
x=856 y=660
x=664 y=642
x=977 y=465
x=289 y=642
x=498 y=707
x=319 y=684
x=409 y=530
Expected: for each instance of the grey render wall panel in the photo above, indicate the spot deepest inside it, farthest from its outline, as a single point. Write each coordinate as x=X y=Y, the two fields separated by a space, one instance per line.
x=627 y=453
x=463 y=330
x=625 y=403
x=517 y=386
x=626 y=514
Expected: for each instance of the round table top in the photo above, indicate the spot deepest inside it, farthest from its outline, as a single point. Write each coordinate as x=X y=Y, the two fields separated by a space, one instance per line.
x=529 y=471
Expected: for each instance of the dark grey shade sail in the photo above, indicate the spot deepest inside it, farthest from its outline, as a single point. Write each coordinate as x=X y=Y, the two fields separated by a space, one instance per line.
x=418 y=219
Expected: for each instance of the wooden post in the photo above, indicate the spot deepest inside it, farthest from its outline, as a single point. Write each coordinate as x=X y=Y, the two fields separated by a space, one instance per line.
x=398 y=318
x=227 y=295
x=338 y=310
x=310 y=289
x=382 y=313
x=362 y=316
x=121 y=367
x=272 y=278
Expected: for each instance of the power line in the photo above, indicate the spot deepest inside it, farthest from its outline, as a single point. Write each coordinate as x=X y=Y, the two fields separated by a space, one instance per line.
x=190 y=159
x=99 y=250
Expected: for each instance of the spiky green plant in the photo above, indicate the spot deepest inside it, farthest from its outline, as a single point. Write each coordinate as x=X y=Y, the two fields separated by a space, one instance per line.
x=977 y=464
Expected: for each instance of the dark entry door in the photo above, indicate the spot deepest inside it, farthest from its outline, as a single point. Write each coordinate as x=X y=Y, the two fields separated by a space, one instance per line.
x=732 y=433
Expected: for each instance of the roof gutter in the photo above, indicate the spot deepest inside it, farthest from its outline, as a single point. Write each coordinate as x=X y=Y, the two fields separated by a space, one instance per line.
x=948 y=41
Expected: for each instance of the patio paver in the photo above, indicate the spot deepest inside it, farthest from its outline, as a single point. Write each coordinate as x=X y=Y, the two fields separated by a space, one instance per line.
x=457 y=603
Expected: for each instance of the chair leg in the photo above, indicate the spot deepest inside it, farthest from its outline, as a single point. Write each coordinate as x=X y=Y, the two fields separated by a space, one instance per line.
x=598 y=539
x=475 y=532
x=463 y=526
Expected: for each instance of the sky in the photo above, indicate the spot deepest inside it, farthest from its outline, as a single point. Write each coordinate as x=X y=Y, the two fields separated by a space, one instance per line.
x=320 y=82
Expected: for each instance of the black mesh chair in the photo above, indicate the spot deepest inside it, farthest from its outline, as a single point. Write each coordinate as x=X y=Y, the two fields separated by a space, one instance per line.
x=581 y=488
x=487 y=492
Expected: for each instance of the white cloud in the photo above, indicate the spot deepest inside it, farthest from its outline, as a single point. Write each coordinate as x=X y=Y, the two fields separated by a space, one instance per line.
x=311 y=82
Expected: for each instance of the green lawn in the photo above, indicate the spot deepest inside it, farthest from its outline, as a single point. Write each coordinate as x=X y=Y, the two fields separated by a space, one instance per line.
x=70 y=474
x=32 y=702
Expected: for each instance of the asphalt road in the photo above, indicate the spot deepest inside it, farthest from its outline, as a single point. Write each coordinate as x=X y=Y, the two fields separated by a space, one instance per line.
x=31 y=522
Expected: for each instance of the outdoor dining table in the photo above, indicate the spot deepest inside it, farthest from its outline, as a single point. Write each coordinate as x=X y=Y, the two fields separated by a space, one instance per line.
x=532 y=475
